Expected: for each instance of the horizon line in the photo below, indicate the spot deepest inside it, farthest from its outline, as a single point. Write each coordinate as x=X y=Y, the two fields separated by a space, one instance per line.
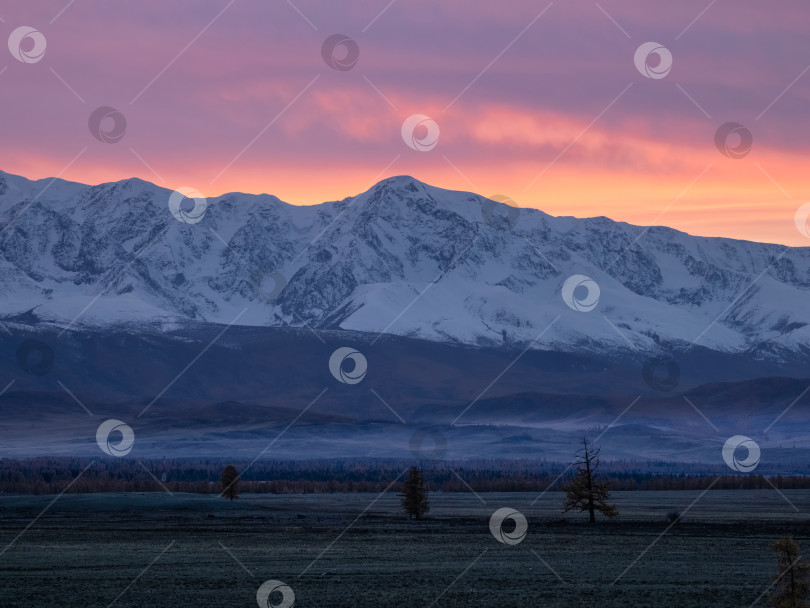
x=53 y=179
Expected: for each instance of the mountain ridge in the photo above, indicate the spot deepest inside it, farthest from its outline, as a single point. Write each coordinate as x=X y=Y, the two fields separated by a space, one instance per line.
x=404 y=258
x=392 y=179
x=251 y=383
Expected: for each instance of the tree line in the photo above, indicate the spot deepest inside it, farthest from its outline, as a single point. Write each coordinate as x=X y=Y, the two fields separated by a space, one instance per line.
x=50 y=475
x=585 y=490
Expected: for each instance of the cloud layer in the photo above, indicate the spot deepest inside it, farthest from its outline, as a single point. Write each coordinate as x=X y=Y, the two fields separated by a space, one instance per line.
x=538 y=101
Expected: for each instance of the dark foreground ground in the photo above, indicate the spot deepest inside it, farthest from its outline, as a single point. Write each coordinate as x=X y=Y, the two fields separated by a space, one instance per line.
x=156 y=550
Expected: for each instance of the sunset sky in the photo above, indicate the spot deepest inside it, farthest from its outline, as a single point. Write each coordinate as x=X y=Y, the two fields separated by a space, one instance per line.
x=538 y=101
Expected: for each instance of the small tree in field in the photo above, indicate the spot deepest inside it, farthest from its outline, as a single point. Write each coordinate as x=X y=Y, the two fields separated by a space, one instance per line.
x=230 y=482
x=414 y=496
x=791 y=585
x=584 y=493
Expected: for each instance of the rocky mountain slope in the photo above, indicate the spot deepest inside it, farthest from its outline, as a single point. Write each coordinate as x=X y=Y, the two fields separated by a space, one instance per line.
x=403 y=258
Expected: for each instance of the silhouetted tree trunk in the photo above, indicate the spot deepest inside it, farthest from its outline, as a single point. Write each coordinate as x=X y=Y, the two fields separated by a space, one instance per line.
x=791 y=585
x=230 y=482
x=414 y=496
x=584 y=493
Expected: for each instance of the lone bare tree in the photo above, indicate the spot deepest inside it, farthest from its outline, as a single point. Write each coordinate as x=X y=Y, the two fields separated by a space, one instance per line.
x=584 y=493
x=414 y=496
x=230 y=482
x=791 y=585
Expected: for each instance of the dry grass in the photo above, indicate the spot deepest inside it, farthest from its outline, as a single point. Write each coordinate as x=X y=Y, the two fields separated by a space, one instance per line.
x=87 y=549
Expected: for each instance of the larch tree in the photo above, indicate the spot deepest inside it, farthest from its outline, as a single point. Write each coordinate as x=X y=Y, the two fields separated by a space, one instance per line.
x=791 y=586
x=414 y=497
x=584 y=492
x=230 y=482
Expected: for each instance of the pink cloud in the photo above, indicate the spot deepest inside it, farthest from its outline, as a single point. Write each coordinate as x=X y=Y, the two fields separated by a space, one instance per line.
x=196 y=110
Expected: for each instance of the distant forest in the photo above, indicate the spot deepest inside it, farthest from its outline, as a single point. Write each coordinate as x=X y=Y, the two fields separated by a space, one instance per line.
x=53 y=475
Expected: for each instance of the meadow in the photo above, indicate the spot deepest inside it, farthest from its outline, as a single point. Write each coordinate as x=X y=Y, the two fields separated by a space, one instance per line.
x=347 y=550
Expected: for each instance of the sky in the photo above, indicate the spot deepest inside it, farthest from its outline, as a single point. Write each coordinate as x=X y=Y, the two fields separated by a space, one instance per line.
x=542 y=102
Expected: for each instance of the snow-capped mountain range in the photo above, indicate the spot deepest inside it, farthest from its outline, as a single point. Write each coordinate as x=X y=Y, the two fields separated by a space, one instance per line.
x=403 y=258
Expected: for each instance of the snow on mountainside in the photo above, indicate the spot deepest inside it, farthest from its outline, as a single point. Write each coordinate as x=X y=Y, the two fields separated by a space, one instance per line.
x=402 y=258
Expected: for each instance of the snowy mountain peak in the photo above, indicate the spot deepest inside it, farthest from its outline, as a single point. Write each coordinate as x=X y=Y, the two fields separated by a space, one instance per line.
x=403 y=257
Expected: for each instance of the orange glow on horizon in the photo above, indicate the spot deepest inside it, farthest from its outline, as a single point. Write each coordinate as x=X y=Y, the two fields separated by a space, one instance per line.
x=727 y=201
x=658 y=183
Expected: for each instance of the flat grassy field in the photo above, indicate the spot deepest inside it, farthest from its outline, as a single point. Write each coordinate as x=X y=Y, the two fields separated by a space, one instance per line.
x=350 y=550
